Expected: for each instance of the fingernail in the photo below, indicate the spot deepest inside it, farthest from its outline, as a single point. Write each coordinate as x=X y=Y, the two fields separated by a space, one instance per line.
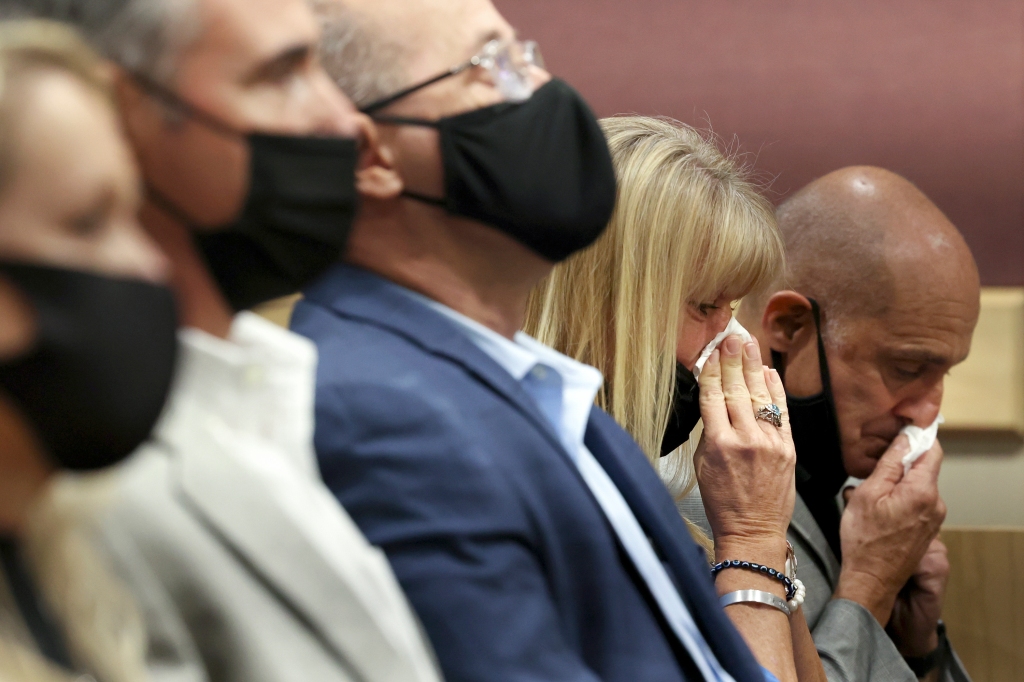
x=750 y=350
x=714 y=356
x=774 y=374
x=732 y=345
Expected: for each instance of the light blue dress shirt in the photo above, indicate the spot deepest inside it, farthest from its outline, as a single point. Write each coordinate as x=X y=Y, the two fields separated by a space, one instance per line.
x=564 y=390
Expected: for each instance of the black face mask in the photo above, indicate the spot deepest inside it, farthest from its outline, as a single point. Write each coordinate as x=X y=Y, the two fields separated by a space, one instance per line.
x=96 y=378
x=538 y=170
x=820 y=471
x=685 y=410
x=296 y=219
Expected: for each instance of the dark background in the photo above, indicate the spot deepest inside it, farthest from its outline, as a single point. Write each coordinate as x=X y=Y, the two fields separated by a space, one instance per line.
x=931 y=89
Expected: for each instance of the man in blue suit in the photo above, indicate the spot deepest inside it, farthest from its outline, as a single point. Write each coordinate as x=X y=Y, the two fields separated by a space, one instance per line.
x=530 y=533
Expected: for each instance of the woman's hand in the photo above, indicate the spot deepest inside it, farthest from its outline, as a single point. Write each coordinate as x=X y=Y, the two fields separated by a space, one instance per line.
x=745 y=470
x=745 y=466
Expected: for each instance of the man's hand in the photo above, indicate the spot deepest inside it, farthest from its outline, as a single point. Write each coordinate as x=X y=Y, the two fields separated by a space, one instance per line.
x=915 y=617
x=887 y=527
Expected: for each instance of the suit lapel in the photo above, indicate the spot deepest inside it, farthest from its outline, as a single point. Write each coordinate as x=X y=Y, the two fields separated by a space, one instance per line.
x=234 y=503
x=361 y=295
x=357 y=294
x=654 y=509
x=804 y=525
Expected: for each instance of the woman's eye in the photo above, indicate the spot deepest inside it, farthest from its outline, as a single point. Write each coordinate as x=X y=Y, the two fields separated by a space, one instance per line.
x=704 y=309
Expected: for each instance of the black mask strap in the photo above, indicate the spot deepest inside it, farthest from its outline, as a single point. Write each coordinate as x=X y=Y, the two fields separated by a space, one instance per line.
x=779 y=363
x=406 y=121
x=405 y=92
x=826 y=376
x=162 y=202
x=176 y=102
x=819 y=469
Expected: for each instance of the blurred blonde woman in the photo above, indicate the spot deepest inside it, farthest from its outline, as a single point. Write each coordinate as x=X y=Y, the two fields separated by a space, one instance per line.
x=87 y=347
x=690 y=235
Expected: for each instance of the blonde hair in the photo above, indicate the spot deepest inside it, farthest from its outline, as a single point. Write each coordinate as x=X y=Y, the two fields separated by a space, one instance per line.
x=28 y=46
x=688 y=225
x=98 y=616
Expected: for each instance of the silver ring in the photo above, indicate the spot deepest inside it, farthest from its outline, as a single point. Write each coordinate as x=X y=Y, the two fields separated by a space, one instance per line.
x=771 y=414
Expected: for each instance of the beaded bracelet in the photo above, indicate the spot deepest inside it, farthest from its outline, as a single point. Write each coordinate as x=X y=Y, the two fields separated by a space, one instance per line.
x=751 y=566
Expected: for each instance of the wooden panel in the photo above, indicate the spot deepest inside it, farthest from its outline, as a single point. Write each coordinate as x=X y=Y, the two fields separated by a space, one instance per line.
x=278 y=311
x=984 y=607
x=986 y=392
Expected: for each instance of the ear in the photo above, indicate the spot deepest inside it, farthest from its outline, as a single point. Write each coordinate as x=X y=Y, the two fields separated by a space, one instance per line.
x=788 y=322
x=376 y=175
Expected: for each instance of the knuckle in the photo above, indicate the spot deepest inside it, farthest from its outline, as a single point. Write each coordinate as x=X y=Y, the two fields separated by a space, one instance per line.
x=736 y=391
x=711 y=393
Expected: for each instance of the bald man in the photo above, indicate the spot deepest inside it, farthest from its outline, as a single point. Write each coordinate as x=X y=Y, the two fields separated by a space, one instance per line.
x=881 y=300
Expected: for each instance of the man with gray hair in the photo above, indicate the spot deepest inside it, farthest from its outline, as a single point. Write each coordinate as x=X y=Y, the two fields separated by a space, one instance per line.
x=529 y=531
x=245 y=565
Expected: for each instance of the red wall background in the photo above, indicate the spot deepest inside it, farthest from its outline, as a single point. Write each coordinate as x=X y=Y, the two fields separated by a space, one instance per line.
x=932 y=89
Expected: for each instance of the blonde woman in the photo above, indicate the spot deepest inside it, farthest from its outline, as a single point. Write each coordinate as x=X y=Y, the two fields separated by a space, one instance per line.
x=87 y=348
x=690 y=235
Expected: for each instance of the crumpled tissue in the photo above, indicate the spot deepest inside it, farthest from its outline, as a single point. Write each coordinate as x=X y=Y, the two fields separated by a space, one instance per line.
x=734 y=327
x=921 y=441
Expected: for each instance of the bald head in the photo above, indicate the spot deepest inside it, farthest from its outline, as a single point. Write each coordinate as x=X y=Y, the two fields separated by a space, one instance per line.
x=899 y=296
x=860 y=238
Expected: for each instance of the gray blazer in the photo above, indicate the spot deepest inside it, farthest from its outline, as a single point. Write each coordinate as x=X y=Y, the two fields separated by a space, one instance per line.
x=852 y=645
x=232 y=592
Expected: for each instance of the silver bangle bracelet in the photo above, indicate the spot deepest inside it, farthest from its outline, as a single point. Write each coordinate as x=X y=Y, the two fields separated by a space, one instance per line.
x=754 y=596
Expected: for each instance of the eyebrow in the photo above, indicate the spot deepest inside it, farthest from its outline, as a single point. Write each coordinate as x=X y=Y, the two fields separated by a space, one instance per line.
x=487 y=36
x=922 y=356
x=285 y=61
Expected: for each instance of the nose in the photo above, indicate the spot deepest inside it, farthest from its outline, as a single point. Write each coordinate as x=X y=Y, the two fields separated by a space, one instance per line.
x=335 y=113
x=921 y=408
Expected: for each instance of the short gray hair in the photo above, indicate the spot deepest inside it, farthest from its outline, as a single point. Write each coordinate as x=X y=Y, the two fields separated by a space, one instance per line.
x=365 y=63
x=143 y=36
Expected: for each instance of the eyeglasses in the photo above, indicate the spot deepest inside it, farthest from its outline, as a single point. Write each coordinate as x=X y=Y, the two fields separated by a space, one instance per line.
x=510 y=63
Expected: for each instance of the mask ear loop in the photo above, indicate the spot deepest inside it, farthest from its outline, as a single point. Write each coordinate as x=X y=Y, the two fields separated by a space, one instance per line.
x=779 y=362
x=824 y=374
x=180 y=107
x=422 y=123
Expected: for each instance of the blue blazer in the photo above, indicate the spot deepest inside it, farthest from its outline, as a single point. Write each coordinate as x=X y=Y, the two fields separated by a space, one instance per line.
x=446 y=463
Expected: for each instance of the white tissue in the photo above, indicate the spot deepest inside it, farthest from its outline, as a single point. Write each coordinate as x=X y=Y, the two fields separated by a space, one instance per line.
x=921 y=441
x=734 y=327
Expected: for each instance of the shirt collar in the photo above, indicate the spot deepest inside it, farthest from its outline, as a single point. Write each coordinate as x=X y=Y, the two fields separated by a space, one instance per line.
x=519 y=355
x=259 y=382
